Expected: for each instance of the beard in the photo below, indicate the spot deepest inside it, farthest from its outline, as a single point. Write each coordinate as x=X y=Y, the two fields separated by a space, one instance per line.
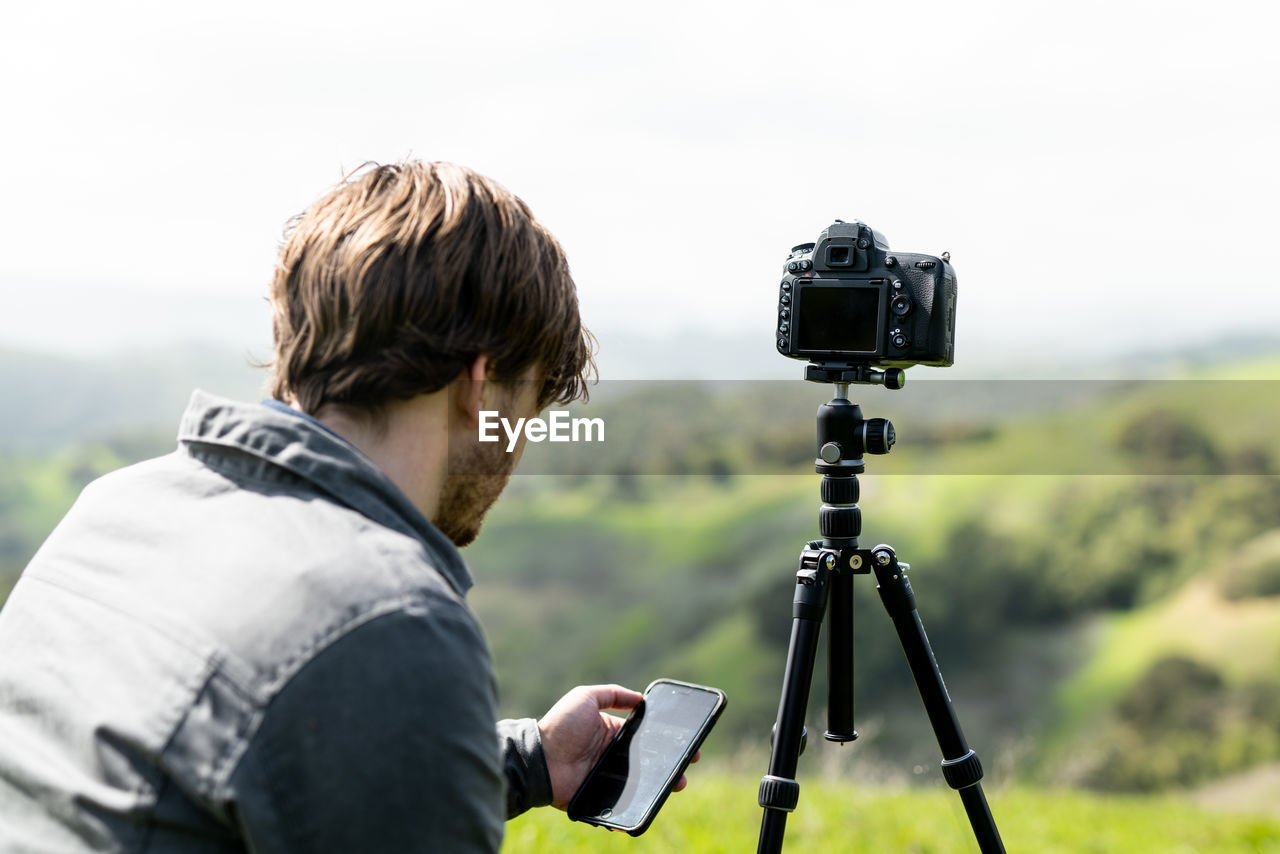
x=476 y=476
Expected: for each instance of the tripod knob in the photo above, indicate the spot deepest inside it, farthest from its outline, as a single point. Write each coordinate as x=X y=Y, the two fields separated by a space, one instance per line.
x=878 y=436
x=830 y=452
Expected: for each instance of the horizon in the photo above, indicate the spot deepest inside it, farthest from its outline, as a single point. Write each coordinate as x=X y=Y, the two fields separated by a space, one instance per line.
x=220 y=326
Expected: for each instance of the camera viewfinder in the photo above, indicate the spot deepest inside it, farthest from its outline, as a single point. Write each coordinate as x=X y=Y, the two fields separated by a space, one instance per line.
x=839 y=256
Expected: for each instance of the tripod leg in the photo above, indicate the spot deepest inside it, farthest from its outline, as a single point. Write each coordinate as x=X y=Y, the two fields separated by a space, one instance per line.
x=960 y=765
x=779 y=791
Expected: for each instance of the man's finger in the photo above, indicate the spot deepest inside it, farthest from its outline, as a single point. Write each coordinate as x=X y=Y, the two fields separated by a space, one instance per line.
x=614 y=696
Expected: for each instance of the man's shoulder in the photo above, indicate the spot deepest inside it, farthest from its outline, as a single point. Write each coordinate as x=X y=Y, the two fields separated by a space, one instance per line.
x=267 y=572
x=256 y=554
x=305 y=572
x=315 y=582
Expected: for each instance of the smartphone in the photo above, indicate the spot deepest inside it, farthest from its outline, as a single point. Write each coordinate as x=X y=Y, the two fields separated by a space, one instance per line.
x=627 y=787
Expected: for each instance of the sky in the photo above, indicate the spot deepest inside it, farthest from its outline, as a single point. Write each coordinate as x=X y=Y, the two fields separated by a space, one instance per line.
x=1103 y=174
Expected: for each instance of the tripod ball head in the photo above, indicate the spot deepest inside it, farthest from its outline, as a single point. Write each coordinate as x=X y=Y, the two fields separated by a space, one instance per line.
x=844 y=436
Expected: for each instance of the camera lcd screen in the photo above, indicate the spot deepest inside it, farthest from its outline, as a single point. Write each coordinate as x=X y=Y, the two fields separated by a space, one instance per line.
x=639 y=767
x=842 y=318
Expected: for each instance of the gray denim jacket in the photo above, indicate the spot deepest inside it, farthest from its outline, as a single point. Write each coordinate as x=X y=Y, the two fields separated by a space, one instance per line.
x=254 y=643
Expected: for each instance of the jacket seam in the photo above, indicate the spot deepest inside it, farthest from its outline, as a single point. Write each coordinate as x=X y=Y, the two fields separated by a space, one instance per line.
x=275 y=680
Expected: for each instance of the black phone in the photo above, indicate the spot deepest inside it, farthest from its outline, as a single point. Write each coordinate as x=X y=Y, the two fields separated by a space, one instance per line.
x=627 y=787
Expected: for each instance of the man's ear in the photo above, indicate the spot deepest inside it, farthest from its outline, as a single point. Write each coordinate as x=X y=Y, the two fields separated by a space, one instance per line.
x=470 y=390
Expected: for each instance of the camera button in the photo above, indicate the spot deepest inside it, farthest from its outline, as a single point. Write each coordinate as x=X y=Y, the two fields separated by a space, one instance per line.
x=785 y=299
x=786 y=286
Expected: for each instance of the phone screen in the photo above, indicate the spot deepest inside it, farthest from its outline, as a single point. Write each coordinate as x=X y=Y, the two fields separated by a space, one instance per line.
x=636 y=773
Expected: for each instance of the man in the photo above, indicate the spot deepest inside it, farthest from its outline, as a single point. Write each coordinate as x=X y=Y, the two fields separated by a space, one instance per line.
x=260 y=641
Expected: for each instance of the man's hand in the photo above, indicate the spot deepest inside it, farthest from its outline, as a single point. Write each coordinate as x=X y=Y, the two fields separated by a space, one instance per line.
x=576 y=731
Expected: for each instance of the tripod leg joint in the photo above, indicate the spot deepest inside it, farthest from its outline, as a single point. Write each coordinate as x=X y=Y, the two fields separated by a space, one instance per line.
x=779 y=793
x=963 y=772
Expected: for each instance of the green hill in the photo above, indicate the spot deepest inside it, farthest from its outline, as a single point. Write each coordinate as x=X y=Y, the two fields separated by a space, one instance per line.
x=1045 y=548
x=51 y=401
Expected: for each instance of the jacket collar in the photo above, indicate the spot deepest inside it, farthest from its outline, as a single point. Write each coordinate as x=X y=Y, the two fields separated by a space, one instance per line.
x=301 y=445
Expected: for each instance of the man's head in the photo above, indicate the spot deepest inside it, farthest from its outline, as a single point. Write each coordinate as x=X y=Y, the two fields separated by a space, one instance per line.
x=412 y=278
x=395 y=281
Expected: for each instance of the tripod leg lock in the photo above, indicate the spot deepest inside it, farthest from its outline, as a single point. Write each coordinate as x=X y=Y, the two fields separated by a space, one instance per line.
x=779 y=793
x=963 y=772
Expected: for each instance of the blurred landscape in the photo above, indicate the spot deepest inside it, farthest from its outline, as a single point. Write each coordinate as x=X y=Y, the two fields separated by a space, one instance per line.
x=1097 y=562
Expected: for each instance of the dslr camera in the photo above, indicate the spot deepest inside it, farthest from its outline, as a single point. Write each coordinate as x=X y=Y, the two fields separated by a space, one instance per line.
x=847 y=304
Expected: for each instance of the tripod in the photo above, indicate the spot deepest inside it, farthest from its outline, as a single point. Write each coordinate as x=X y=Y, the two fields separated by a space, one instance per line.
x=825 y=581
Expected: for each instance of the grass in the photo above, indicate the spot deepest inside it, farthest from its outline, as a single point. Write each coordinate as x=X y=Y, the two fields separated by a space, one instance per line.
x=718 y=813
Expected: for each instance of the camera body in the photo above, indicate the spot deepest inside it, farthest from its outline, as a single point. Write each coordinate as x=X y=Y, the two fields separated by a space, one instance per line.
x=846 y=300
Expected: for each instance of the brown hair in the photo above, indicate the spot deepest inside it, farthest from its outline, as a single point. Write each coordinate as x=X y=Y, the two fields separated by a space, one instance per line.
x=395 y=281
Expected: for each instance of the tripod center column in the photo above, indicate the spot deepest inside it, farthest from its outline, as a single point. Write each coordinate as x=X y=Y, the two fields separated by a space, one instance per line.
x=840 y=519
